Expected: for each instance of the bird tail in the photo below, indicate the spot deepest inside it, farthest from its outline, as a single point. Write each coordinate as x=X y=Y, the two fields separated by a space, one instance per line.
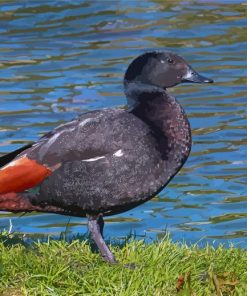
x=15 y=202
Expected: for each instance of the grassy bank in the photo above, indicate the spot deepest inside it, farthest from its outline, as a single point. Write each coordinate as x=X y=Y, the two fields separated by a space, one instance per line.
x=164 y=268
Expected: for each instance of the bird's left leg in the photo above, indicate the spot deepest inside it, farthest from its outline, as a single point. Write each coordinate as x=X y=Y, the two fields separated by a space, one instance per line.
x=96 y=226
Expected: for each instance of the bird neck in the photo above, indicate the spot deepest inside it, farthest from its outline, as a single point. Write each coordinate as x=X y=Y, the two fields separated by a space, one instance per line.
x=165 y=116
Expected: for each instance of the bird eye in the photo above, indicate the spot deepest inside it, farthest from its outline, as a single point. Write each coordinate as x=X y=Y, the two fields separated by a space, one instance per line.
x=170 y=61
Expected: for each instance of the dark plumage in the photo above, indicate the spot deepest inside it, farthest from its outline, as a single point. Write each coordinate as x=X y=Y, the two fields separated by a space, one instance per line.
x=107 y=161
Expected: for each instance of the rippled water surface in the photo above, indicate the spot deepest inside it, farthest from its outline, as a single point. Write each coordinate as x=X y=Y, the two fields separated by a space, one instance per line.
x=59 y=58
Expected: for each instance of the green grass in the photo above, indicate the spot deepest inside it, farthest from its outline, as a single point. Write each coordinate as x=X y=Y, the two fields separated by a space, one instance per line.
x=71 y=268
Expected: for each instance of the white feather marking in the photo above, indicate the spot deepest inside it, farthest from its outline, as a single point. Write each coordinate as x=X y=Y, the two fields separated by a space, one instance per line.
x=188 y=75
x=85 y=121
x=58 y=134
x=53 y=139
x=12 y=163
x=118 y=153
x=94 y=158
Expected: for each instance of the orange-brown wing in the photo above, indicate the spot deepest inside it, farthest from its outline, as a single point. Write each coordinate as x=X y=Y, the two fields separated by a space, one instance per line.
x=22 y=174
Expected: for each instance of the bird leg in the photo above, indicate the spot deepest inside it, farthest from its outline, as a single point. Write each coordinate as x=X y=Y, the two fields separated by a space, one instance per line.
x=96 y=226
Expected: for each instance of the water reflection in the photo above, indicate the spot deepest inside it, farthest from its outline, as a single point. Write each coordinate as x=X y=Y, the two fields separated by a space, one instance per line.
x=61 y=58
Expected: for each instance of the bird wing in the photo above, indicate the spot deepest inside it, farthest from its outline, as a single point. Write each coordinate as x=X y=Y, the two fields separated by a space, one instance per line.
x=92 y=135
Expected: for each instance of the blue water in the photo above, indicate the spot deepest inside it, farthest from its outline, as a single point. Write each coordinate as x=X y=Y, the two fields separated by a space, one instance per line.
x=60 y=58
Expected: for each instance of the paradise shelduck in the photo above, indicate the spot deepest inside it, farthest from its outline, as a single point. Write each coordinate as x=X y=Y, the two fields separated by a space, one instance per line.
x=107 y=161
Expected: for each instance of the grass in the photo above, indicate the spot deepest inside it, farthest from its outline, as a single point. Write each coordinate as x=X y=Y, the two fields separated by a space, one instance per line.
x=57 y=267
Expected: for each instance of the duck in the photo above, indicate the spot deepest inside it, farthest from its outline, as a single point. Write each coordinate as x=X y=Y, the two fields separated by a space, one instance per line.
x=108 y=161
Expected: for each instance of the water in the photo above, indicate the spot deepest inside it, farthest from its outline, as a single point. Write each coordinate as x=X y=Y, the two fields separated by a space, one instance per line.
x=59 y=58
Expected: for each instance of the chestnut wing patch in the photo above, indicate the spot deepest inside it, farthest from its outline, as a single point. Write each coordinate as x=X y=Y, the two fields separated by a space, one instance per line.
x=22 y=174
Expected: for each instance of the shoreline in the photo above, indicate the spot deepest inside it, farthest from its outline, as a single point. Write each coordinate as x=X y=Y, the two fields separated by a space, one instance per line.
x=57 y=267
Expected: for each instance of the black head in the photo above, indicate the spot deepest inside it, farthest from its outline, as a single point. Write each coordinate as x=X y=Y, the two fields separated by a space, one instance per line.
x=162 y=69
